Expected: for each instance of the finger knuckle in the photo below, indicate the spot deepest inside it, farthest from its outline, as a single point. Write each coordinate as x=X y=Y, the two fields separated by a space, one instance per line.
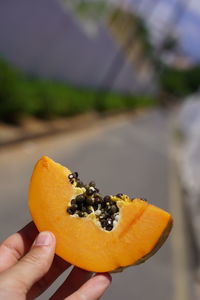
x=31 y=259
x=13 y=252
x=35 y=260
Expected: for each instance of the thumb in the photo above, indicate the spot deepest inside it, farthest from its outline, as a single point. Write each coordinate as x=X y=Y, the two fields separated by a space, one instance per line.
x=35 y=264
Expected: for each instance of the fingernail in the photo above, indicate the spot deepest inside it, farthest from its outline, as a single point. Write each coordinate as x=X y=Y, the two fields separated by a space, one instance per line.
x=44 y=238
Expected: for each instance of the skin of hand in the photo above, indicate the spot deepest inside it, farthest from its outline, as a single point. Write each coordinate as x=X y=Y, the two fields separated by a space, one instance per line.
x=28 y=266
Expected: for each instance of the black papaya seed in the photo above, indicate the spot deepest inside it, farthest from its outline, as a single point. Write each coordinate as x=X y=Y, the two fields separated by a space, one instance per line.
x=75 y=174
x=106 y=198
x=80 y=198
x=70 y=211
x=119 y=195
x=92 y=183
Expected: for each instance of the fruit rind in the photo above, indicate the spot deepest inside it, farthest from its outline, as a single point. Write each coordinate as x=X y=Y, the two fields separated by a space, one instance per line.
x=159 y=243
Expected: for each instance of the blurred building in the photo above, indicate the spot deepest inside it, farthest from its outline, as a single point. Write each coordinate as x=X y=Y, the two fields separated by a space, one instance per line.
x=183 y=62
x=178 y=60
x=43 y=39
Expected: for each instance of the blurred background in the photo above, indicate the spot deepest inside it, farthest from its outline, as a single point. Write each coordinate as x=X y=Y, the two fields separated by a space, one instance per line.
x=111 y=90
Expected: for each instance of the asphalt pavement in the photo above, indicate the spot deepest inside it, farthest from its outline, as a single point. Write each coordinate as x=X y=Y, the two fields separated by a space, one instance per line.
x=123 y=156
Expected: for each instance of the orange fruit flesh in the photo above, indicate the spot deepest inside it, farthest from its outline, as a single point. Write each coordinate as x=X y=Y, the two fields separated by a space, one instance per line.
x=141 y=229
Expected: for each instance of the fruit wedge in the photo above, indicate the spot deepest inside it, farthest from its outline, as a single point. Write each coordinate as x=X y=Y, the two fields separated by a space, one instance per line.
x=94 y=232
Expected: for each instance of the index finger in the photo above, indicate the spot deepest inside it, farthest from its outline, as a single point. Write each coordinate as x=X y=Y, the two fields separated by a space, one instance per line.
x=16 y=246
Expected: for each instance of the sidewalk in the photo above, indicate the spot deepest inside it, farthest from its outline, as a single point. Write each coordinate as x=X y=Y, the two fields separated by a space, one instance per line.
x=185 y=155
x=183 y=247
x=32 y=128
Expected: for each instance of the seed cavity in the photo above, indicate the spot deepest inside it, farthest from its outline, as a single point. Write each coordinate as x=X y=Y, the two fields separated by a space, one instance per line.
x=103 y=209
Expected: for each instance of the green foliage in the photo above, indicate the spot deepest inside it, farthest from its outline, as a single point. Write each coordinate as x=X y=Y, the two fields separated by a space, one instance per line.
x=16 y=94
x=57 y=99
x=21 y=96
x=180 y=82
x=110 y=102
x=89 y=9
x=117 y=103
x=140 y=101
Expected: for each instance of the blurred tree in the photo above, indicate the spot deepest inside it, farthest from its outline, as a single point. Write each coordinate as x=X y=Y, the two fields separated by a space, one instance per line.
x=93 y=10
x=133 y=37
x=180 y=83
x=170 y=43
x=130 y=30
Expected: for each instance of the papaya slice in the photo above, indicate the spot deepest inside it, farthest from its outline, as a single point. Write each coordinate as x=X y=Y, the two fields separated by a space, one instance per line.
x=95 y=233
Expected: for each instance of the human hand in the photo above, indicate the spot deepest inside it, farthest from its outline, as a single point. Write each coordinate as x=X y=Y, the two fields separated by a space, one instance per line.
x=28 y=268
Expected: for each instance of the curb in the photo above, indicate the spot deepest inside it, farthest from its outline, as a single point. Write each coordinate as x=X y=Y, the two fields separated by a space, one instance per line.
x=32 y=129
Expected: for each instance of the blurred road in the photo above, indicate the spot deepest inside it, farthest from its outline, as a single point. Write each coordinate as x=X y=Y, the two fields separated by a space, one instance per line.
x=128 y=156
